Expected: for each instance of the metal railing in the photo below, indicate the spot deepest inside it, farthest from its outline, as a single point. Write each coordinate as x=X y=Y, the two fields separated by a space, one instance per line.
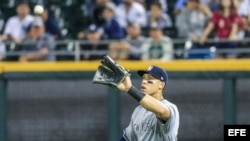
x=73 y=47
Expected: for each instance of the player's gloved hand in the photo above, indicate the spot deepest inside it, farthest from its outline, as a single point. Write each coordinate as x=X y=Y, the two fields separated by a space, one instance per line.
x=111 y=73
x=125 y=85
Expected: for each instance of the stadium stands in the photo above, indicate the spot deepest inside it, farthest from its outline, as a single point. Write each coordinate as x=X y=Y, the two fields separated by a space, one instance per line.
x=71 y=18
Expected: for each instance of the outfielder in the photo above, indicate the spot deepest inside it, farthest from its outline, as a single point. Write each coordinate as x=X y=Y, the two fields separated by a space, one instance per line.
x=156 y=118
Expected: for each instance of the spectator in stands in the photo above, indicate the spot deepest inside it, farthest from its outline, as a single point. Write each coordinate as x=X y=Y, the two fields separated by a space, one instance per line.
x=2 y=45
x=2 y=51
x=117 y=2
x=106 y=20
x=135 y=40
x=158 y=46
x=90 y=5
x=156 y=15
x=242 y=7
x=38 y=45
x=215 y=4
x=111 y=27
x=113 y=31
x=226 y=22
x=1 y=21
x=190 y=22
x=16 y=26
x=119 y=50
x=51 y=26
x=131 y=11
x=93 y=36
x=96 y=16
x=244 y=12
x=147 y=4
x=248 y=27
x=204 y=7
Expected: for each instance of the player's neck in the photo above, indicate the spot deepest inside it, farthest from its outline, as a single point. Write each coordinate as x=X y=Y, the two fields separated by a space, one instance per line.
x=158 y=96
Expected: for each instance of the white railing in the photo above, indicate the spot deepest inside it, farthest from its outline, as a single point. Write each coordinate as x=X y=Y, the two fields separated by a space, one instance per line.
x=72 y=48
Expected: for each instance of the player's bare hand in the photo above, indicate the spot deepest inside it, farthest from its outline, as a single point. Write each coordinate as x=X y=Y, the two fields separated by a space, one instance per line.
x=125 y=85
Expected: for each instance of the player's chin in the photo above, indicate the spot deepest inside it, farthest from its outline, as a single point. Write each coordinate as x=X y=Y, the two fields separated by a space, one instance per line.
x=144 y=91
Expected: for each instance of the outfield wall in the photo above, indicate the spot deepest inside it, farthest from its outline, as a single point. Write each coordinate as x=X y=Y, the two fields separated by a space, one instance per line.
x=57 y=101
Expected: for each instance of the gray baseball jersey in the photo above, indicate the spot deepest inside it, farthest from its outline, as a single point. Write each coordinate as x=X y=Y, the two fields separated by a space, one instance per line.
x=145 y=126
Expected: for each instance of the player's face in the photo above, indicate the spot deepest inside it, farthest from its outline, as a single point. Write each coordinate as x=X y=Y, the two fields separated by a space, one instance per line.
x=151 y=85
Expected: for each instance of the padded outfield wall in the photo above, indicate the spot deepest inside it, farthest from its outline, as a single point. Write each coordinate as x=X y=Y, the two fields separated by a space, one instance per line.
x=57 y=101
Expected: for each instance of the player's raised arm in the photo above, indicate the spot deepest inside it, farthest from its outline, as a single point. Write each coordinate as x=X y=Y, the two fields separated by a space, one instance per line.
x=150 y=95
x=153 y=105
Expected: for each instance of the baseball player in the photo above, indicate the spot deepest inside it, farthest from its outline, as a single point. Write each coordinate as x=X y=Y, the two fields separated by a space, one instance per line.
x=156 y=118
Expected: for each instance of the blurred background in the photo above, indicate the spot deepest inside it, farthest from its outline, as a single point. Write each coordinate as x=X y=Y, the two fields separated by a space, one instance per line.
x=72 y=109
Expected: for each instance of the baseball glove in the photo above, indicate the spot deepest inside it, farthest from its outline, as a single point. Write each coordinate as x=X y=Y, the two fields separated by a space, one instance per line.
x=109 y=72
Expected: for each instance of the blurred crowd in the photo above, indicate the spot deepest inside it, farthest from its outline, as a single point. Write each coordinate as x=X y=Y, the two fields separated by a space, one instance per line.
x=137 y=29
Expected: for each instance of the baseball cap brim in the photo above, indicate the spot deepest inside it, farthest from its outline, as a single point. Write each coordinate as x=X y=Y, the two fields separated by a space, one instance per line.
x=155 y=71
x=142 y=72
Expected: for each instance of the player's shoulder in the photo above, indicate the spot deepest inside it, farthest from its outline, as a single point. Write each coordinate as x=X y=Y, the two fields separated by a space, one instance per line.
x=172 y=107
x=169 y=103
x=138 y=109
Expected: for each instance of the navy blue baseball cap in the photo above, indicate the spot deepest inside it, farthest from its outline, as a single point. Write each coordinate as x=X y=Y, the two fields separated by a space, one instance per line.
x=92 y=28
x=157 y=72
